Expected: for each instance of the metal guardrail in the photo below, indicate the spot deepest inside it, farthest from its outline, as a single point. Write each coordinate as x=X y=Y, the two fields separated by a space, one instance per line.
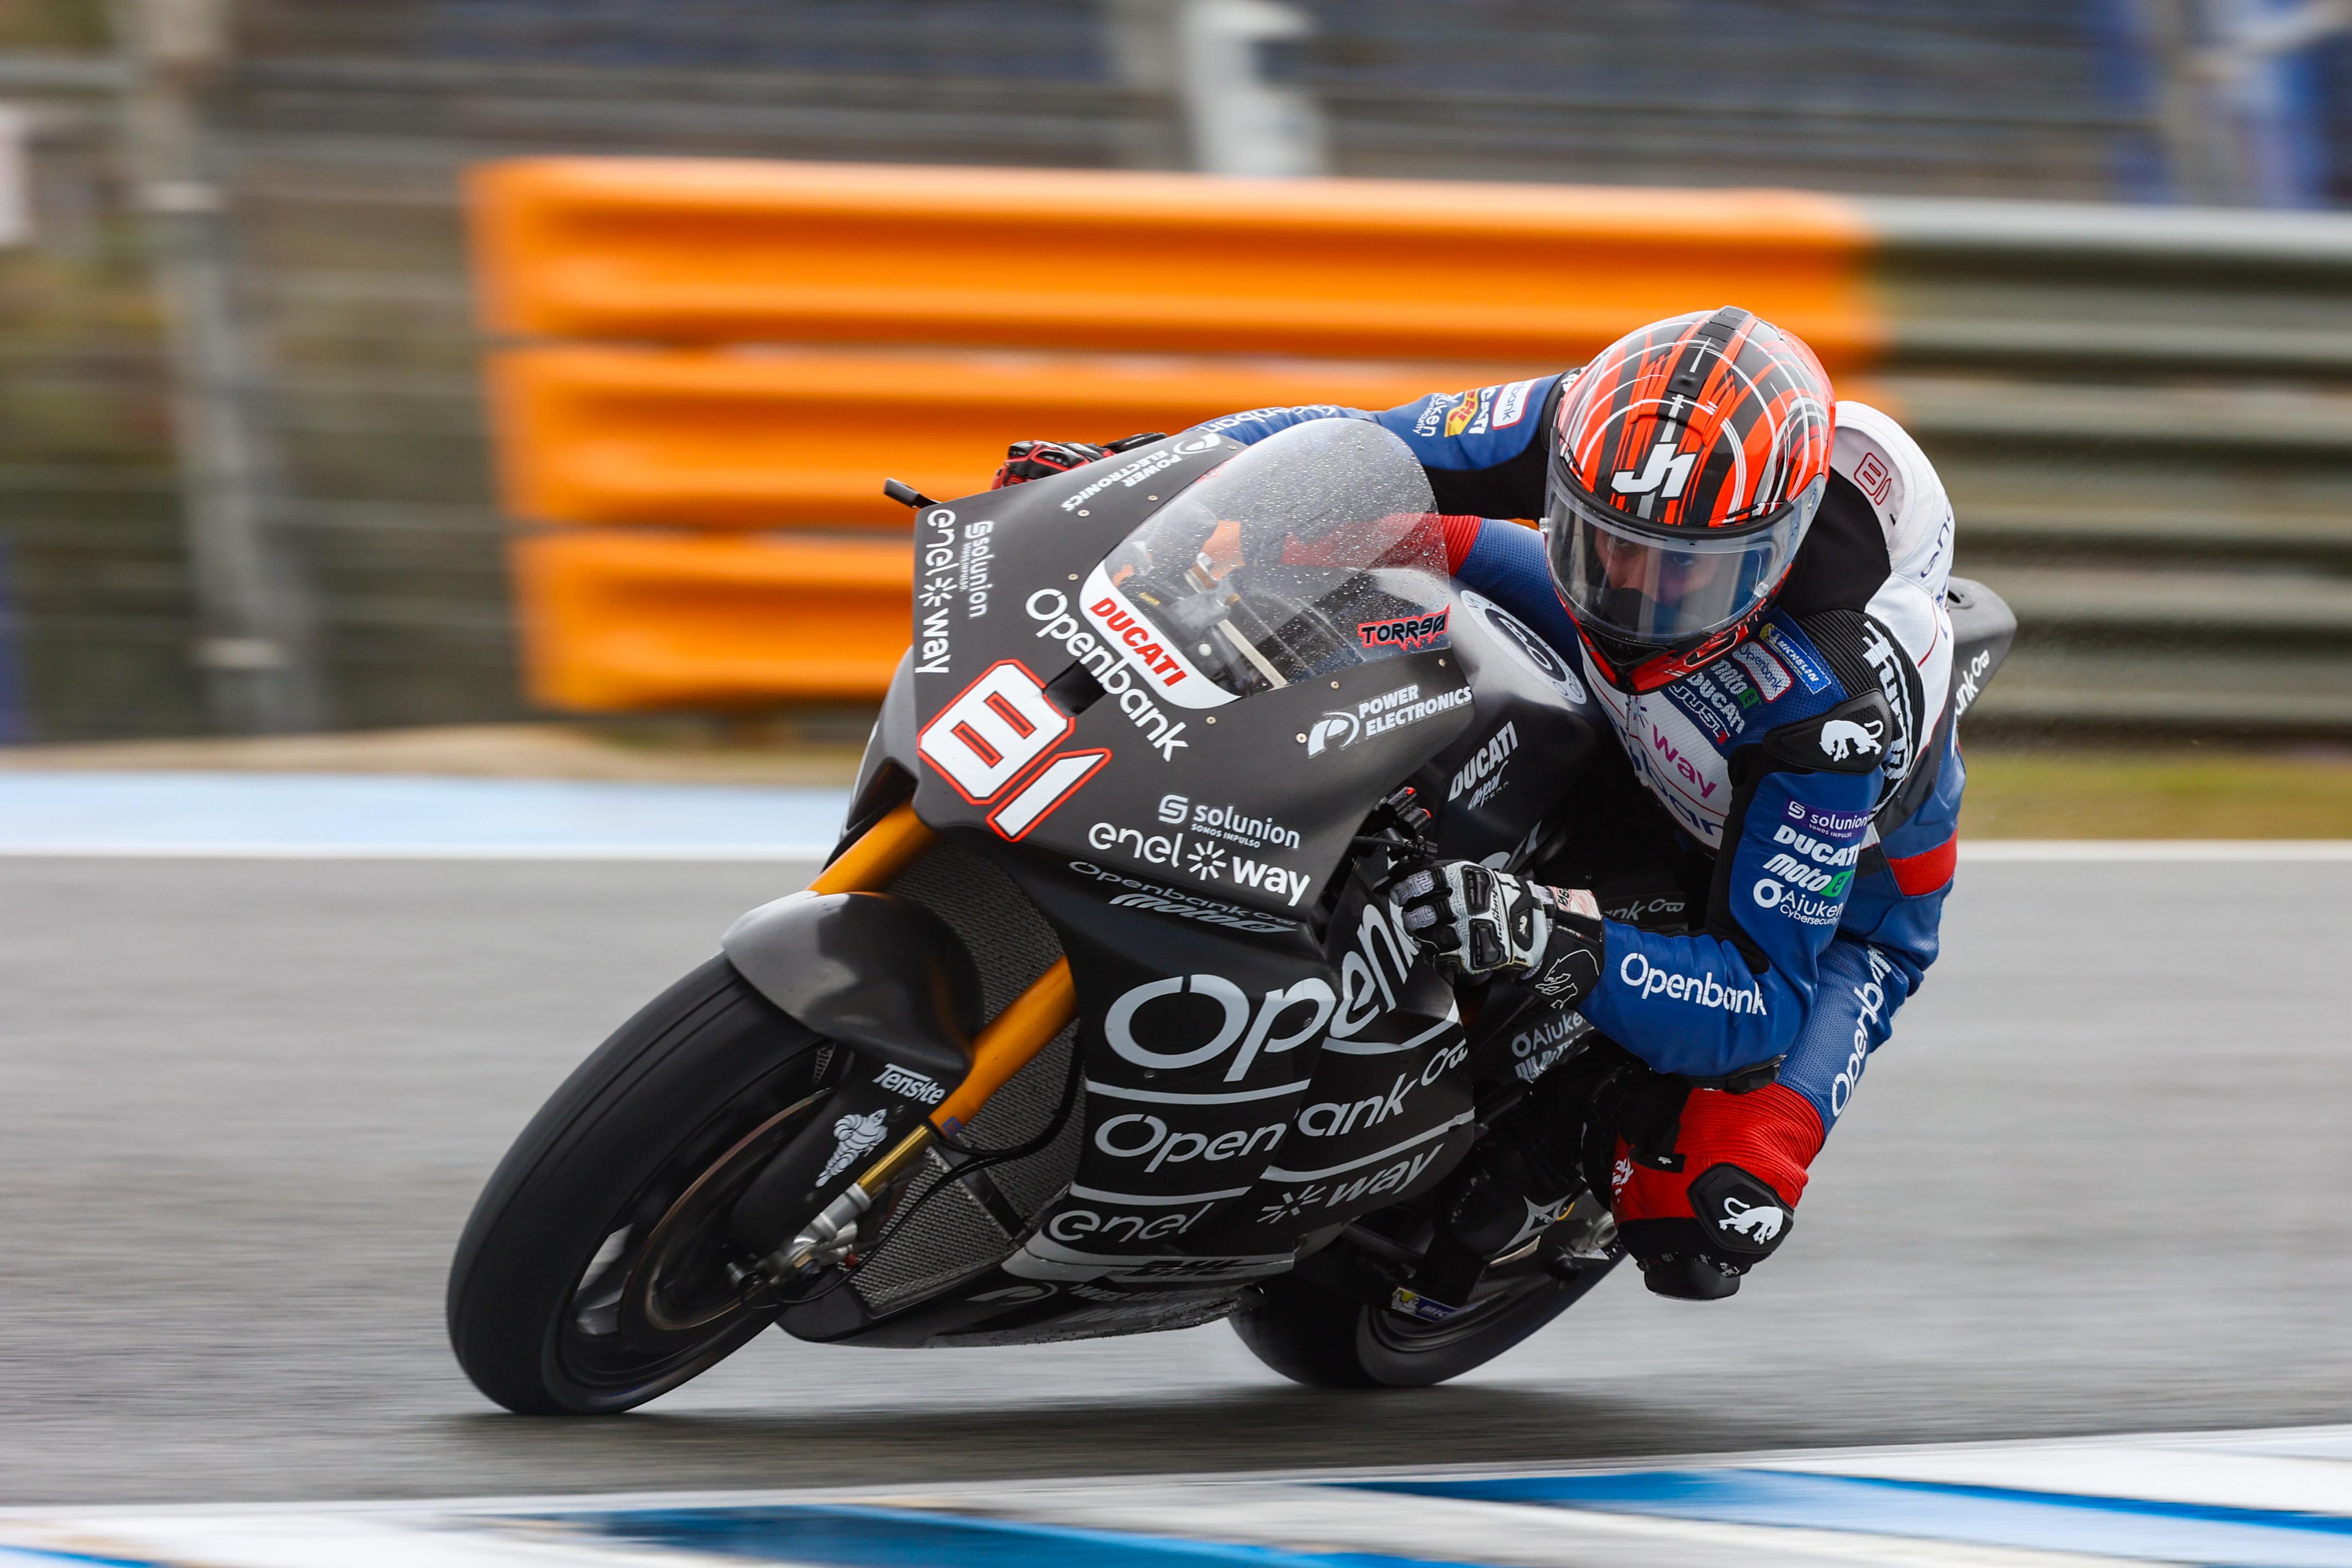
x=2145 y=420
x=2132 y=405
x=2145 y=415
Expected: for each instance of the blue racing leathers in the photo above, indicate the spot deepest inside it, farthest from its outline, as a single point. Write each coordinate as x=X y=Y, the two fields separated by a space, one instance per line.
x=1815 y=763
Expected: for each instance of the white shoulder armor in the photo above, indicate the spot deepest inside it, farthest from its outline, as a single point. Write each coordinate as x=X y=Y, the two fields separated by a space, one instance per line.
x=1887 y=467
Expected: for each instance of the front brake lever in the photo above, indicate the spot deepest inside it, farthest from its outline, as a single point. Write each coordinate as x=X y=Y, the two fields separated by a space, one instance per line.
x=1404 y=810
x=1399 y=827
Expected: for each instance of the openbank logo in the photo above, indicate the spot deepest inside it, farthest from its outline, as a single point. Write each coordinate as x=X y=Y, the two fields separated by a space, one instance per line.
x=1701 y=990
x=1155 y=1038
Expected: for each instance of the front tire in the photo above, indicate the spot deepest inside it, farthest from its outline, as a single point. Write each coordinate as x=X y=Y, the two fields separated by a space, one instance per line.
x=592 y=1275
x=1326 y=1340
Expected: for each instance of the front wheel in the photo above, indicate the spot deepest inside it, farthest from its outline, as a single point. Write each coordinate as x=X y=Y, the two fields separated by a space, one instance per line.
x=1313 y=1336
x=596 y=1273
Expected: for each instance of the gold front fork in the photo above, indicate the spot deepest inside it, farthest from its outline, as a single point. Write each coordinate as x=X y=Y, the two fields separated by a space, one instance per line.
x=1009 y=1042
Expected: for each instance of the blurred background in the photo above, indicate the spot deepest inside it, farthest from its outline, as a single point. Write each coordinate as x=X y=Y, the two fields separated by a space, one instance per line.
x=271 y=1023
x=246 y=478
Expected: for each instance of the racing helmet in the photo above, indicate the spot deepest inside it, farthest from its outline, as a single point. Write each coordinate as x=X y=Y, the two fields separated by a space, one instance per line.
x=1687 y=462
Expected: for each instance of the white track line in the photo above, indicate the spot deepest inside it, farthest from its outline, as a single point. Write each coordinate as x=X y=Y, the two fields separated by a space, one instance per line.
x=2288 y=1474
x=2332 y=1441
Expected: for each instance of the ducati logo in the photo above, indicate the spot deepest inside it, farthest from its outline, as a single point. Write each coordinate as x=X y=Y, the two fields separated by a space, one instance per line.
x=1664 y=477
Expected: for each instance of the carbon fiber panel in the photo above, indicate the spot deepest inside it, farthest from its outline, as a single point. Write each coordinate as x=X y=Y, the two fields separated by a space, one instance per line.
x=1001 y=930
x=1156 y=1313
x=956 y=1235
x=953 y=1236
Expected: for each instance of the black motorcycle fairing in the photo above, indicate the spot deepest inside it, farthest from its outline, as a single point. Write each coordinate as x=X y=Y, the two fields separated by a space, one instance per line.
x=1200 y=1040
x=1247 y=800
x=1496 y=788
x=1193 y=1181
x=1293 y=1060
x=994 y=1308
x=1389 y=1109
x=1197 y=1176
x=907 y=1022
x=814 y=955
x=886 y=774
x=1520 y=1036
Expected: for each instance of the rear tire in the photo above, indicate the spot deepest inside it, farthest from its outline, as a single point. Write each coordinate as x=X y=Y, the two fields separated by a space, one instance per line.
x=591 y=1276
x=1324 y=1341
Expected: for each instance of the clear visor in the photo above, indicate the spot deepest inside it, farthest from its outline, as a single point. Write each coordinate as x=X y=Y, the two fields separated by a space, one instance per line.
x=1667 y=588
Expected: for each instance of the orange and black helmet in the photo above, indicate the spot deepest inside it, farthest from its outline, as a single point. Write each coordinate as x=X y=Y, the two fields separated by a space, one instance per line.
x=1687 y=462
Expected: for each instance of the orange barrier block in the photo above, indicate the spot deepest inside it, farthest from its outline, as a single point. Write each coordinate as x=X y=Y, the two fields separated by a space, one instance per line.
x=715 y=440
x=926 y=317
x=617 y=621
x=725 y=251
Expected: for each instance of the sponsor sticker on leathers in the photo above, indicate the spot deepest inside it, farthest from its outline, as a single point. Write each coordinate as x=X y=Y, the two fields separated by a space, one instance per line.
x=1796 y=655
x=1458 y=417
x=1769 y=674
x=1511 y=404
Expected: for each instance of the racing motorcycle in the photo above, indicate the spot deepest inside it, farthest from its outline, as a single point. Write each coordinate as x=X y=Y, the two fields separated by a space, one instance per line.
x=1092 y=1024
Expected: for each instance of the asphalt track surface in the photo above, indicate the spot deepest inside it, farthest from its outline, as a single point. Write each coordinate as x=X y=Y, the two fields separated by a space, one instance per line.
x=2101 y=1181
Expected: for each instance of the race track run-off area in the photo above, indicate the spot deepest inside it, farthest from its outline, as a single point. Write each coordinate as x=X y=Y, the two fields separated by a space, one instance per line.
x=2276 y=1499
x=2099 y=1183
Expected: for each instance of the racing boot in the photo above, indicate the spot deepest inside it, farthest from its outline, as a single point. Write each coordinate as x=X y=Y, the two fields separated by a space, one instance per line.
x=1508 y=1190
x=1519 y=1181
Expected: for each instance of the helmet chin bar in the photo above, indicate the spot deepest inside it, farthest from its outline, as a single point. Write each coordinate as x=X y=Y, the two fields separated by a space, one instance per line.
x=1633 y=667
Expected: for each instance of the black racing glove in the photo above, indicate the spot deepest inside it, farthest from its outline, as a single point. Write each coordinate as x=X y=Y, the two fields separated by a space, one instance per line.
x=1704 y=1183
x=1485 y=924
x=1027 y=460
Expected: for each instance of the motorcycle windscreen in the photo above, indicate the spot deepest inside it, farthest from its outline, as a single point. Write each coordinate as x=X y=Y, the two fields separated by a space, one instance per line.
x=1314 y=550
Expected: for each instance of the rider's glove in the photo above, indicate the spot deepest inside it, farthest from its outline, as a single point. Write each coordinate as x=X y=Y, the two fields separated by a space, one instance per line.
x=1027 y=460
x=1703 y=1181
x=1485 y=923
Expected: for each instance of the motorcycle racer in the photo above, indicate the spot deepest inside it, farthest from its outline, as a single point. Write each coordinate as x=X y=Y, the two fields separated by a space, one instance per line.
x=1751 y=574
